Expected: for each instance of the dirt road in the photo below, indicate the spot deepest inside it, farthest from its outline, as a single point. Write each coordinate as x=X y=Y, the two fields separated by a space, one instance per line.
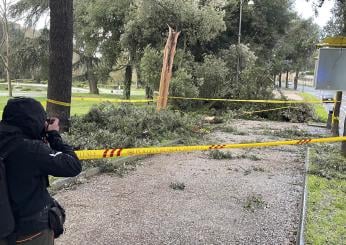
x=252 y=197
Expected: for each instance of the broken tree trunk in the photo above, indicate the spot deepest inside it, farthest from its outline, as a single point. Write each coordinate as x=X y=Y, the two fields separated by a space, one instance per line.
x=167 y=67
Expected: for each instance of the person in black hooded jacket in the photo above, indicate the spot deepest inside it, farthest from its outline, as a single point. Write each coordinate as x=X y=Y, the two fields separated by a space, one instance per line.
x=23 y=127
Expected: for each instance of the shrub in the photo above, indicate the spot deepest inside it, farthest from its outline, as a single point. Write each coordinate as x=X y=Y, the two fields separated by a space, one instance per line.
x=182 y=86
x=230 y=56
x=151 y=65
x=213 y=75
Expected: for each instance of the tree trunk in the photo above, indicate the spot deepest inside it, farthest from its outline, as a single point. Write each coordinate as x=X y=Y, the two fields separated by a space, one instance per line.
x=280 y=77
x=149 y=93
x=335 y=122
x=8 y=77
x=139 y=75
x=296 y=80
x=7 y=58
x=286 y=85
x=93 y=86
x=274 y=77
x=60 y=61
x=91 y=77
x=329 y=120
x=127 y=82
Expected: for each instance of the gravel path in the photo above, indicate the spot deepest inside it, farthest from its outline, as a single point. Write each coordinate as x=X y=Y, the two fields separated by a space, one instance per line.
x=252 y=198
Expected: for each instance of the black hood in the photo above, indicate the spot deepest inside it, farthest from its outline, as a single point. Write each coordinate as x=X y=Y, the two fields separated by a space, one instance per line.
x=26 y=114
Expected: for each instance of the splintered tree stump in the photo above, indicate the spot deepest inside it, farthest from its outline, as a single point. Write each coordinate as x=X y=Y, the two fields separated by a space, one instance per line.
x=167 y=67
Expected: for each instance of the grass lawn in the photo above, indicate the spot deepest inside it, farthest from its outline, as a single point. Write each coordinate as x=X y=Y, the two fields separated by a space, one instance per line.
x=326 y=215
x=79 y=107
x=320 y=110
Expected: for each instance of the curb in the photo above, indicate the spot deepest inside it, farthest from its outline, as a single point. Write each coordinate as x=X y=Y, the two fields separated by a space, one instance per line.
x=302 y=222
x=88 y=173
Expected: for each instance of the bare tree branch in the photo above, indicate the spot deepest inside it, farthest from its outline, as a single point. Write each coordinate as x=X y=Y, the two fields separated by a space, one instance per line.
x=30 y=10
x=3 y=61
x=2 y=38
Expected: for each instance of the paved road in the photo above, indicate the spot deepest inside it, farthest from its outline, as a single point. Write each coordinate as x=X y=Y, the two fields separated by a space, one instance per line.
x=19 y=93
x=38 y=85
x=74 y=90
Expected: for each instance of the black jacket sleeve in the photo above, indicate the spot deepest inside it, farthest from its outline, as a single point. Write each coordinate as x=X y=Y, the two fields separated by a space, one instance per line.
x=57 y=144
x=57 y=160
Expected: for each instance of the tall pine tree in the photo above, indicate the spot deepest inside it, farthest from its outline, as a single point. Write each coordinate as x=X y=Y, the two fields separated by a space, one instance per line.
x=60 y=60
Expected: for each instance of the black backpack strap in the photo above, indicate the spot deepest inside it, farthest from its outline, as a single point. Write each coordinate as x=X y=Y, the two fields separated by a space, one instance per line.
x=10 y=147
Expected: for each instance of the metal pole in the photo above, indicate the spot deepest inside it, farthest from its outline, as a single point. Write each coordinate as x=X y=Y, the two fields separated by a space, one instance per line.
x=239 y=39
x=240 y=20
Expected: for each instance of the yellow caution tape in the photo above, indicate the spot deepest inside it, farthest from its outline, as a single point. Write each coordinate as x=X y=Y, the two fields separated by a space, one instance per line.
x=253 y=101
x=186 y=98
x=59 y=103
x=274 y=109
x=119 y=152
x=109 y=100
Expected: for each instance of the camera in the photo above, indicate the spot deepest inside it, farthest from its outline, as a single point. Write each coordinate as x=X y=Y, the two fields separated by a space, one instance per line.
x=50 y=120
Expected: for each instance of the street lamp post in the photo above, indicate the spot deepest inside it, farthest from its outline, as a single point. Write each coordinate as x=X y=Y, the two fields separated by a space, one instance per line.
x=239 y=34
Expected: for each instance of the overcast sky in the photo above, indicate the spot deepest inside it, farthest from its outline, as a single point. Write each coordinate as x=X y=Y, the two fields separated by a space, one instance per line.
x=305 y=9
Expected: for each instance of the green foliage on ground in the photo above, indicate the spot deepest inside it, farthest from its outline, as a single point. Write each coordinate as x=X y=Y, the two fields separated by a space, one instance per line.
x=290 y=113
x=108 y=125
x=326 y=196
x=287 y=112
x=180 y=186
x=124 y=126
x=216 y=154
x=320 y=112
x=327 y=162
x=254 y=202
